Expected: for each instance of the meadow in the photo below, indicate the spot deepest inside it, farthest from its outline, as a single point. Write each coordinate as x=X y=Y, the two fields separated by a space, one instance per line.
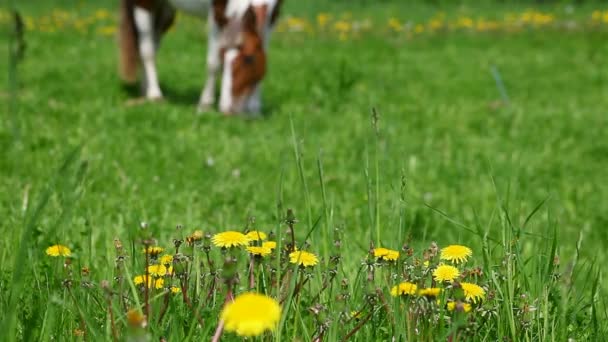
x=407 y=126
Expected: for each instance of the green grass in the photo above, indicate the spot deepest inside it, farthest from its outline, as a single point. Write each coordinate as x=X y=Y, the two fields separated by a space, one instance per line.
x=451 y=163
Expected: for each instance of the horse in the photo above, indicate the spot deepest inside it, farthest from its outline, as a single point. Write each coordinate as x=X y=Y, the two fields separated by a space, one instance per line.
x=238 y=39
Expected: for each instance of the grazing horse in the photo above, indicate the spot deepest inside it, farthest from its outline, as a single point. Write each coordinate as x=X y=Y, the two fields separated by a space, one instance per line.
x=238 y=37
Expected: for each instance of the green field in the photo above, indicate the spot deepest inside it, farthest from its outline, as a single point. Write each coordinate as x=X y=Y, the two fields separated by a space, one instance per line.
x=491 y=139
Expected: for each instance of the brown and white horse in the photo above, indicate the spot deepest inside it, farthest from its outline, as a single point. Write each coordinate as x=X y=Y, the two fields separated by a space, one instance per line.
x=238 y=36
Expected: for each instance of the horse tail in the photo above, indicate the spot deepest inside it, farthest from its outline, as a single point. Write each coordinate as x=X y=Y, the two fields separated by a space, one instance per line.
x=127 y=43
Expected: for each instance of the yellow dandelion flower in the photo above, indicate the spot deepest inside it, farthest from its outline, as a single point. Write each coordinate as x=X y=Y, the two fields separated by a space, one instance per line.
x=136 y=319
x=386 y=254
x=250 y=314
x=255 y=235
x=460 y=306
x=58 y=250
x=456 y=253
x=230 y=239
x=356 y=314
x=473 y=292
x=166 y=259
x=153 y=251
x=431 y=292
x=158 y=283
x=269 y=244
x=257 y=250
x=157 y=270
x=404 y=288
x=303 y=258
x=446 y=273
x=175 y=289
x=197 y=235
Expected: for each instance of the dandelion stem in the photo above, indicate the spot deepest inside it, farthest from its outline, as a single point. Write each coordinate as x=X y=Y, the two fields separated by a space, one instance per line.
x=251 y=272
x=147 y=285
x=357 y=327
x=218 y=331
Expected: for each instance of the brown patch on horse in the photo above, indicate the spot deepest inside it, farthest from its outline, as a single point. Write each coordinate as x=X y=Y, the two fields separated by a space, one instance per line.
x=275 y=12
x=219 y=12
x=164 y=17
x=146 y=4
x=249 y=66
x=127 y=42
x=261 y=13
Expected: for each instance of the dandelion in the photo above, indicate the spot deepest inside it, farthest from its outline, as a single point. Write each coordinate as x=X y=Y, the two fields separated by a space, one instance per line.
x=446 y=273
x=58 y=250
x=166 y=259
x=460 y=306
x=159 y=270
x=269 y=244
x=175 y=290
x=255 y=235
x=158 y=283
x=250 y=314
x=136 y=319
x=404 y=288
x=386 y=254
x=431 y=292
x=456 y=253
x=153 y=251
x=473 y=292
x=257 y=250
x=303 y=258
x=230 y=239
x=197 y=235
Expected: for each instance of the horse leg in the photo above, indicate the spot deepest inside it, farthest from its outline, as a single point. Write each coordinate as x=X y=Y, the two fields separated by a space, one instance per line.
x=254 y=103
x=147 y=44
x=214 y=63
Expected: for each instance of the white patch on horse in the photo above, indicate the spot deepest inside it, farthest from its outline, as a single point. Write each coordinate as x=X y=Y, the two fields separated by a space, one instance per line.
x=214 y=64
x=227 y=104
x=147 y=49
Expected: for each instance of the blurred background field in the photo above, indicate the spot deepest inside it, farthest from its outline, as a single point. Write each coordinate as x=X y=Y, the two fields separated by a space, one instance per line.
x=485 y=108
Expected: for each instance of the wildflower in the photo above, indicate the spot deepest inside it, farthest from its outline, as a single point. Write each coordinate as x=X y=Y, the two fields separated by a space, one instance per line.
x=386 y=254
x=255 y=235
x=269 y=244
x=431 y=292
x=446 y=273
x=136 y=319
x=473 y=292
x=166 y=259
x=460 y=306
x=158 y=283
x=153 y=251
x=356 y=314
x=175 y=290
x=250 y=314
x=395 y=24
x=455 y=253
x=230 y=239
x=58 y=250
x=303 y=258
x=197 y=235
x=404 y=288
x=159 y=270
x=257 y=250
